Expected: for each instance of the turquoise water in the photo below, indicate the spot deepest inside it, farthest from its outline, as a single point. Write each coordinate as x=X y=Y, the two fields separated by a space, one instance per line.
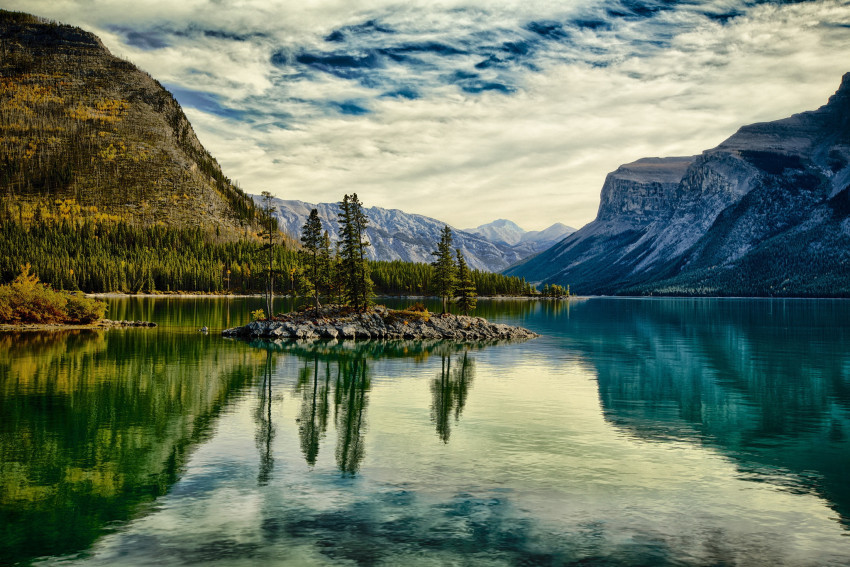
x=633 y=432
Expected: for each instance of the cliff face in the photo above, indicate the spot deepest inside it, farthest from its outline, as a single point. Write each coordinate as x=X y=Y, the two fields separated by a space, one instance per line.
x=643 y=191
x=764 y=213
x=77 y=123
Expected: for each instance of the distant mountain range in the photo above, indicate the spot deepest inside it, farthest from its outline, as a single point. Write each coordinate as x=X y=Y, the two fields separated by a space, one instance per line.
x=397 y=235
x=765 y=213
x=503 y=231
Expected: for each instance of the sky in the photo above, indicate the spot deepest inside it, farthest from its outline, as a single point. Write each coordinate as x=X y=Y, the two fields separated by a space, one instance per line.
x=468 y=110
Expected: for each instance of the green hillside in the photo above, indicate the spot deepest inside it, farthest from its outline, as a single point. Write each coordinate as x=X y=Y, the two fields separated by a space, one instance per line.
x=84 y=134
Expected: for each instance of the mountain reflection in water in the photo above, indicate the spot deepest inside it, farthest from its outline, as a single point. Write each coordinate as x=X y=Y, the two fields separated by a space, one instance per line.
x=633 y=432
x=765 y=382
x=95 y=425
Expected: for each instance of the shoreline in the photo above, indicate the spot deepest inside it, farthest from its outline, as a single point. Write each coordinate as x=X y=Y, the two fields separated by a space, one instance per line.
x=177 y=295
x=103 y=324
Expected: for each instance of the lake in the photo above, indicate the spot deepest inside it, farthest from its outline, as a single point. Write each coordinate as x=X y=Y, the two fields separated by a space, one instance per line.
x=632 y=432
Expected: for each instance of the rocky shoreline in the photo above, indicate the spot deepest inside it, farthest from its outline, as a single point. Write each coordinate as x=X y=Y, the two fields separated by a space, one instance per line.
x=378 y=323
x=122 y=323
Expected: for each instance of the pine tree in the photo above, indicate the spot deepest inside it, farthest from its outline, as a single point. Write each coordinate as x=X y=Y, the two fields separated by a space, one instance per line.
x=269 y=232
x=353 y=221
x=311 y=237
x=466 y=296
x=445 y=277
x=326 y=264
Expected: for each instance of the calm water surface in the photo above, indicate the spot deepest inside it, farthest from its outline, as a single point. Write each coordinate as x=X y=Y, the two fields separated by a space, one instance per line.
x=633 y=432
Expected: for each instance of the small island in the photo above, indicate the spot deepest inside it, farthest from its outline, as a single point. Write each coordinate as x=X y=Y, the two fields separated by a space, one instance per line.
x=378 y=322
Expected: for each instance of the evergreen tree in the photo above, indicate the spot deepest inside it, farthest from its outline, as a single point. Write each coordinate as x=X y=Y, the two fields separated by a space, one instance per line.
x=445 y=277
x=311 y=237
x=270 y=226
x=326 y=264
x=466 y=296
x=353 y=221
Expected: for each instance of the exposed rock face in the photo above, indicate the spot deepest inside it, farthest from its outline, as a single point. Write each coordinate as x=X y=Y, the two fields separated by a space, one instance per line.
x=642 y=191
x=397 y=235
x=379 y=323
x=767 y=212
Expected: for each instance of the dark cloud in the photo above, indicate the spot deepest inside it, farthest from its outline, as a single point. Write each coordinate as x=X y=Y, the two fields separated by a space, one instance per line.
x=404 y=92
x=340 y=35
x=143 y=39
x=549 y=29
x=206 y=102
x=351 y=108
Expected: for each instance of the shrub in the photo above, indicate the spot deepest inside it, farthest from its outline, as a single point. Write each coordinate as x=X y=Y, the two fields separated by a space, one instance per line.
x=26 y=300
x=258 y=315
x=82 y=309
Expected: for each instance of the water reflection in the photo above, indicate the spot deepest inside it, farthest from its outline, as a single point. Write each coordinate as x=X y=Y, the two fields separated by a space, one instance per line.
x=450 y=390
x=96 y=425
x=265 y=426
x=350 y=400
x=342 y=370
x=767 y=383
x=315 y=409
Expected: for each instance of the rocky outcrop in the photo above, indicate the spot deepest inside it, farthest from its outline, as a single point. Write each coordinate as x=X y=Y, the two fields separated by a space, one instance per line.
x=378 y=323
x=765 y=213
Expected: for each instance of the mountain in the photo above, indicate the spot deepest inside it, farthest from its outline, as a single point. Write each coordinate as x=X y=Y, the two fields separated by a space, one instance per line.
x=526 y=243
x=86 y=132
x=765 y=213
x=501 y=230
x=396 y=235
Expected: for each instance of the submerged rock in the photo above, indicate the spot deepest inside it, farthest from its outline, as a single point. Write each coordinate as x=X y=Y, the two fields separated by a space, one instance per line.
x=111 y=323
x=378 y=323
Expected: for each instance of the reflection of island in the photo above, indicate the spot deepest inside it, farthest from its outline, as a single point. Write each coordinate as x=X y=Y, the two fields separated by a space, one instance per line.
x=450 y=390
x=96 y=424
x=340 y=371
x=766 y=382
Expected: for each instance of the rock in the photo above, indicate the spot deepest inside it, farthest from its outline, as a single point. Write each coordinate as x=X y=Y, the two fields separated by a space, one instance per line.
x=111 y=323
x=379 y=323
x=761 y=214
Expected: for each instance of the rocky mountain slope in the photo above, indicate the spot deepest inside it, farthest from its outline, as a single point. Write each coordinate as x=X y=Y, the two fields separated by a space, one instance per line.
x=81 y=126
x=397 y=235
x=765 y=213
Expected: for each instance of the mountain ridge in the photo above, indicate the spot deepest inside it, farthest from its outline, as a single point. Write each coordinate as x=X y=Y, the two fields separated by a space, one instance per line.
x=397 y=235
x=764 y=213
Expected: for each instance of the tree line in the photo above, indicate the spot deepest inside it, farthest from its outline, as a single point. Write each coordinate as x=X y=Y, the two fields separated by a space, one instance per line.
x=106 y=254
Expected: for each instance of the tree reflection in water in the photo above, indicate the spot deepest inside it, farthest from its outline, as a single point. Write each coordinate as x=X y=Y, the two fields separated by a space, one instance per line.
x=344 y=367
x=450 y=390
x=352 y=383
x=265 y=426
x=313 y=416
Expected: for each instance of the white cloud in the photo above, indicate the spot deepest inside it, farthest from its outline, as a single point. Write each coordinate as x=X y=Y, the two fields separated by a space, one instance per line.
x=610 y=90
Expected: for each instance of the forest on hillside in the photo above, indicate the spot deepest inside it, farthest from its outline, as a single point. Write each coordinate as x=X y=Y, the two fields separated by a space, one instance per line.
x=114 y=255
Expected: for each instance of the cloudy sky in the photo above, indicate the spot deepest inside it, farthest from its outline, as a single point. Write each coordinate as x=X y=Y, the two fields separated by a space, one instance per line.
x=468 y=110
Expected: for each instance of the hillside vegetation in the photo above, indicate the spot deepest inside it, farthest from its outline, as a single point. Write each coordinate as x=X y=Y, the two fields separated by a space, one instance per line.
x=82 y=126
